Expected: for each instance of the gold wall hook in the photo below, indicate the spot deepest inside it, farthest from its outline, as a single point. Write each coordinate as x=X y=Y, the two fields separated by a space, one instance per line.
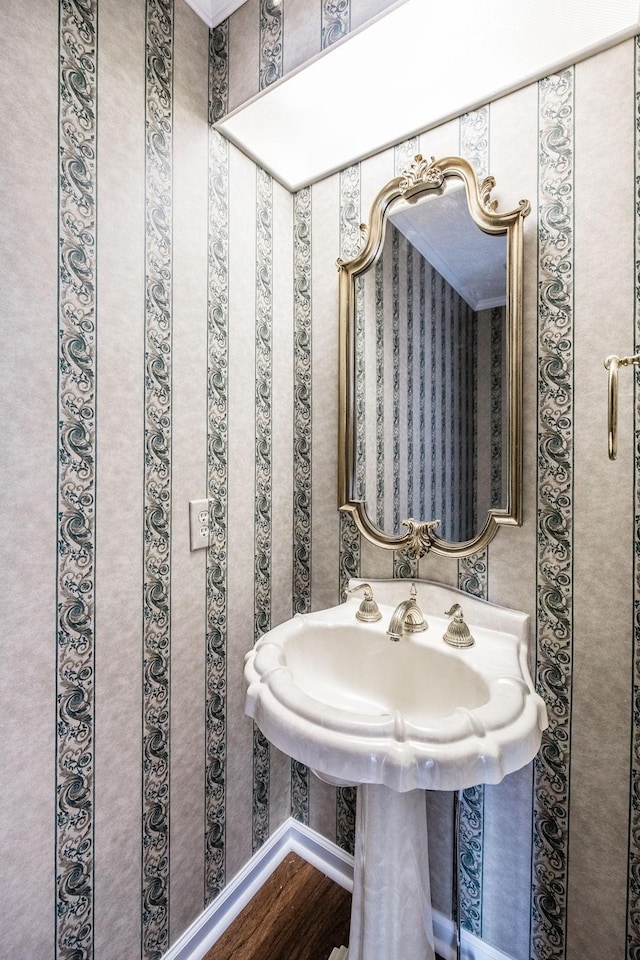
x=612 y=364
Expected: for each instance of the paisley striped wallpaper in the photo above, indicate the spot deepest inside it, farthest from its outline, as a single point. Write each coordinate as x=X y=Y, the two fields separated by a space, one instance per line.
x=555 y=501
x=170 y=333
x=217 y=415
x=76 y=478
x=302 y=446
x=158 y=415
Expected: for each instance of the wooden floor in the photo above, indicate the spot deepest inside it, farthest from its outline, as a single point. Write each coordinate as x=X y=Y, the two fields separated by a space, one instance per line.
x=298 y=914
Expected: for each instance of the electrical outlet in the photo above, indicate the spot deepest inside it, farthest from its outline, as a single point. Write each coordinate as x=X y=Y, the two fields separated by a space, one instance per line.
x=199 y=524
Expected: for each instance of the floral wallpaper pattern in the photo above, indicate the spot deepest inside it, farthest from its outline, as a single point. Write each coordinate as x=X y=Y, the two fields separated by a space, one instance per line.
x=270 y=42
x=217 y=474
x=263 y=476
x=555 y=498
x=336 y=21
x=302 y=447
x=157 y=480
x=76 y=480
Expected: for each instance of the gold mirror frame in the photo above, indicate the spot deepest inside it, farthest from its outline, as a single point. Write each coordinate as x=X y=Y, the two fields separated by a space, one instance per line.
x=423 y=177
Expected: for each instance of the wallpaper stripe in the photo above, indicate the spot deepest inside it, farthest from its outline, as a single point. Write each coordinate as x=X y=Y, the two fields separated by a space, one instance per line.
x=76 y=480
x=422 y=340
x=403 y=154
x=302 y=436
x=380 y=394
x=395 y=374
x=444 y=453
x=217 y=473
x=433 y=445
x=497 y=376
x=450 y=436
x=554 y=513
x=360 y=390
x=633 y=876
x=157 y=477
x=410 y=507
x=302 y=446
x=474 y=140
x=271 y=42
x=336 y=21
x=350 y=540
x=471 y=415
x=473 y=578
x=263 y=477
x=360 y=370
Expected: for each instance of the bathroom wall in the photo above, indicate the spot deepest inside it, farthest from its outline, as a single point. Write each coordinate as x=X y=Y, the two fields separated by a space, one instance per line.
x=169 y=333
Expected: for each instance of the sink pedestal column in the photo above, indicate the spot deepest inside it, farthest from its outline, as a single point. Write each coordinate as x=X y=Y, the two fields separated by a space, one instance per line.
x=391 y=905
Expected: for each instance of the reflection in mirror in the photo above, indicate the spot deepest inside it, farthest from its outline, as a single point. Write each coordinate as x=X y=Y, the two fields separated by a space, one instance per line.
x=429 y=429
x=430 y=451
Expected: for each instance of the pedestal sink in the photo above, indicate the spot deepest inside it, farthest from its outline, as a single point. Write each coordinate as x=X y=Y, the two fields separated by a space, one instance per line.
x=396 y=718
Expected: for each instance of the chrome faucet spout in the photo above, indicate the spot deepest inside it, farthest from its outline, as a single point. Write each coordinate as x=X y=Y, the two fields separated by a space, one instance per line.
x=398 y=619
x=407 y=617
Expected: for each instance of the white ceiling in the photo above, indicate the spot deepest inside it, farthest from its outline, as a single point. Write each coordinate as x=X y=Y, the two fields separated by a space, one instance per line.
x=441 y=228
x=414 y=67
x=214 y=12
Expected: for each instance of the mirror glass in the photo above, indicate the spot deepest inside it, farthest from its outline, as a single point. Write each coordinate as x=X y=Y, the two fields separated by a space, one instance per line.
x=430 y=427
x=430 y=329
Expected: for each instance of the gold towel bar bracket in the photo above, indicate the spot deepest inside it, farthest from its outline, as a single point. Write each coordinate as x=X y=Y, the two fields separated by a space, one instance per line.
x=612 y=364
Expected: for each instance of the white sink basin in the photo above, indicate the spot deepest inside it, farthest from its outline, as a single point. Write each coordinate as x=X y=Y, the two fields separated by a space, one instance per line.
x=355 y=668
x=359 y=708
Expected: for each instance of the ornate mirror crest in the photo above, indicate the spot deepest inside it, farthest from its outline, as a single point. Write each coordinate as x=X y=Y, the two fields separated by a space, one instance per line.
x=422 y=184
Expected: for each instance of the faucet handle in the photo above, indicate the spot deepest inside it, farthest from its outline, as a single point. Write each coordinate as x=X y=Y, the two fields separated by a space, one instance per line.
x=368 y=610
x=457 y=633
x=414 y=621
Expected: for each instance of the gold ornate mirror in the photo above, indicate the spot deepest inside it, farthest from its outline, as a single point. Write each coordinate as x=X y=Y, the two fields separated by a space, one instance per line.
x=430 y=435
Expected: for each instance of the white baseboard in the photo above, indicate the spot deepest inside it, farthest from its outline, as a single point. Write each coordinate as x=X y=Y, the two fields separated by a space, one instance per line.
x=295 y=837
x=291 y=837
x=471 y=947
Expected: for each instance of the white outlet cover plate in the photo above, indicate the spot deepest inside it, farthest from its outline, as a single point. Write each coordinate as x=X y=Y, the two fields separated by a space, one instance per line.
x=199 y=524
